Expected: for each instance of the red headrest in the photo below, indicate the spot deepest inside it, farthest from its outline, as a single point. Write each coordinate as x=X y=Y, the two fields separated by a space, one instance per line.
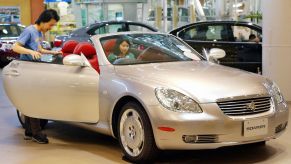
x=108 y=46
x=86 y=48
x=68 y=47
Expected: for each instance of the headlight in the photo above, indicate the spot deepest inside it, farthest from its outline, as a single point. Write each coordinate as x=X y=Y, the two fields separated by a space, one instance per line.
x=274 y=91
x=176 y=101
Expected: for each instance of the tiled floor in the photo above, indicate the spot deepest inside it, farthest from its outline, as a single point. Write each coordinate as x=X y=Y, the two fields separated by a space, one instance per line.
x=73 y=145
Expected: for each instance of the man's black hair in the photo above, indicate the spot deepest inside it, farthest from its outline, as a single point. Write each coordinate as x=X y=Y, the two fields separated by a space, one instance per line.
x=47 y=15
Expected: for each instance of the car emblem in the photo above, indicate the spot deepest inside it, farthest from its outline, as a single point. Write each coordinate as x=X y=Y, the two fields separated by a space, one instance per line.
x=251 y=106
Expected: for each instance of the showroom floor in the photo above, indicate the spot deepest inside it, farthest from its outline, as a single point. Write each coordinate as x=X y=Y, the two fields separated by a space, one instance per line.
x=73 y=145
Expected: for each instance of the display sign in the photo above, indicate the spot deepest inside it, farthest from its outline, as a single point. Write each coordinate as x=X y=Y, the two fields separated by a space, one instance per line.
x=255 y=127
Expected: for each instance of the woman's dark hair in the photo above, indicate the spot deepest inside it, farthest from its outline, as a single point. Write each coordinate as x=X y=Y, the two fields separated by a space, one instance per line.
x=47 y=15
x=118 y=42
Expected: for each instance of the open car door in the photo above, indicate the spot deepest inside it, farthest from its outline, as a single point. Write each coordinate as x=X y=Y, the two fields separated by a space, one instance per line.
x=53 y=91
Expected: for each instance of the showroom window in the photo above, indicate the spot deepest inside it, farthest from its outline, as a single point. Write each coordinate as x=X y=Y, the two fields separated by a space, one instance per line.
x=138 y=28
x=110 y=28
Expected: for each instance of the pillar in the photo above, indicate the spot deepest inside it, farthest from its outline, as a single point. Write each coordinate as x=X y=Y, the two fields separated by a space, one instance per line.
x=277 y=43
x=36 y=7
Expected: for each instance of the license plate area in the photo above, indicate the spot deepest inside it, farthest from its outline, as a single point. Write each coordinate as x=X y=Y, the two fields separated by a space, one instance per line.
x=255 y=127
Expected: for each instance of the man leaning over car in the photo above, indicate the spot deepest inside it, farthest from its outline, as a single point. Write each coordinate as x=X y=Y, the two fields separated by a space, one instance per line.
x=29 y=46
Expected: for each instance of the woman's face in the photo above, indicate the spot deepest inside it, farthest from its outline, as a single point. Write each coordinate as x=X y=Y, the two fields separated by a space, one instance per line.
x=124 y=46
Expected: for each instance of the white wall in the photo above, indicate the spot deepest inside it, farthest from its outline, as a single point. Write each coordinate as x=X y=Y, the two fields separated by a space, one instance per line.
x=277 y=43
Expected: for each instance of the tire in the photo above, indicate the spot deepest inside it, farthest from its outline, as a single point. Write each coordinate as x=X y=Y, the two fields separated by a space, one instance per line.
x=21 y=119
x=2 y=64
x=135 y=134
x=3 y=61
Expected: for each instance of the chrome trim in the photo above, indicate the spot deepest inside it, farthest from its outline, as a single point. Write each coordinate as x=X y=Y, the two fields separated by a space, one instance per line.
x=243 y=107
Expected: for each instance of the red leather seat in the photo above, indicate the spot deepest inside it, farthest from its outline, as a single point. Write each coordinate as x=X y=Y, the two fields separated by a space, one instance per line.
x=68 y=47
x=108 y=46
x=89 y=51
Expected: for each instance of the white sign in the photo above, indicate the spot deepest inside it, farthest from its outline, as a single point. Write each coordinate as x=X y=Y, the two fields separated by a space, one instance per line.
x=255 y=127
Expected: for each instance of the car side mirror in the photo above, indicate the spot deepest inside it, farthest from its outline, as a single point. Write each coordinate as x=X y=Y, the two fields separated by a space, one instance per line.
x=216 y=53
x=74 y=60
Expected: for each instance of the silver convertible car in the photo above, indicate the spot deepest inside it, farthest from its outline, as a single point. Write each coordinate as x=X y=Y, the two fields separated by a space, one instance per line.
x=162 y=95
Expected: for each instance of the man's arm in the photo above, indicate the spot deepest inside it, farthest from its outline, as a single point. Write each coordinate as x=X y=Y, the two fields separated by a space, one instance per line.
x=18 y=48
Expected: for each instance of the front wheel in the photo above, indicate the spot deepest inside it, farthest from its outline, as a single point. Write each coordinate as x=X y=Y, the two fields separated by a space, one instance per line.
x=21 y=119
x=135 y=134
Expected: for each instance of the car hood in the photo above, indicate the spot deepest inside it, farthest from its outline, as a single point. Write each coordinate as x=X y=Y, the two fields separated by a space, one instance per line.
x=204 y=82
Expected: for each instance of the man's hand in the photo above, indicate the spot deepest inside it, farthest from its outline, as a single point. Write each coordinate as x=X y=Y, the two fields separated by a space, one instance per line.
x=57 y=52
x=35 y=55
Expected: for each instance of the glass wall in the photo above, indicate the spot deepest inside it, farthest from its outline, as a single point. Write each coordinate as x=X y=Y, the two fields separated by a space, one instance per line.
x=67 y=21
x=181 y=12
x=91 y=11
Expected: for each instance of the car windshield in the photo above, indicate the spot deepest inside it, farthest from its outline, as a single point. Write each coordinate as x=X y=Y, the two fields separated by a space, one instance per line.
x=7 y=30
x=146 y=48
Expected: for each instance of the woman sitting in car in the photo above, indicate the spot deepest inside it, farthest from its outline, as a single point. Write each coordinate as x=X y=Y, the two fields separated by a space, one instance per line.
x=121 y=50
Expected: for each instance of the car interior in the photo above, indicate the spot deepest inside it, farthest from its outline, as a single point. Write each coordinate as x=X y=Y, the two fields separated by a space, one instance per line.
x=68 y=47
x=89 y=52
x=74 y=47
x=144 y=52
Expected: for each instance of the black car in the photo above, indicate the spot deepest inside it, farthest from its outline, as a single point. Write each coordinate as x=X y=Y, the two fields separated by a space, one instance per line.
x=84 y=33
x=240 y=40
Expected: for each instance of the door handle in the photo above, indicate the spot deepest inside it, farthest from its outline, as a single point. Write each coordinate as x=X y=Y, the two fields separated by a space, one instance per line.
x=12 y=72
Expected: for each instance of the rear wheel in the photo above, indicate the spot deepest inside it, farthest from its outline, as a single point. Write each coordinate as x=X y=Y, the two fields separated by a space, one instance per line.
x=135 y=134
x=21 y=119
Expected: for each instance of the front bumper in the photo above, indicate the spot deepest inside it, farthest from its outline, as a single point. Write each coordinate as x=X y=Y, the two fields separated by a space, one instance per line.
x=212 y=127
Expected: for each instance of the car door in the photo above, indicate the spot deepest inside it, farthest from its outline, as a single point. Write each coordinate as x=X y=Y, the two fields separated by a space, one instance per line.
x=248 y=51
x=53 y=91
x=207 y=36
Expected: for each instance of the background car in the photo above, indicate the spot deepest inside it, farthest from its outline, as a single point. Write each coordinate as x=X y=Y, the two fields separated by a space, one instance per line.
x=8 y=35
x=231 y=36
x=84 y=33
x=166 y=97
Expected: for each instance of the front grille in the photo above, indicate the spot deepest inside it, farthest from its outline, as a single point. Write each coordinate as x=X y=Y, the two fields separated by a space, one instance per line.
x=245 y=106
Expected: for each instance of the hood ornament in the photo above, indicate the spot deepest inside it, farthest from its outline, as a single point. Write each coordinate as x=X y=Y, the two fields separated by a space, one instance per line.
x=251 y=106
